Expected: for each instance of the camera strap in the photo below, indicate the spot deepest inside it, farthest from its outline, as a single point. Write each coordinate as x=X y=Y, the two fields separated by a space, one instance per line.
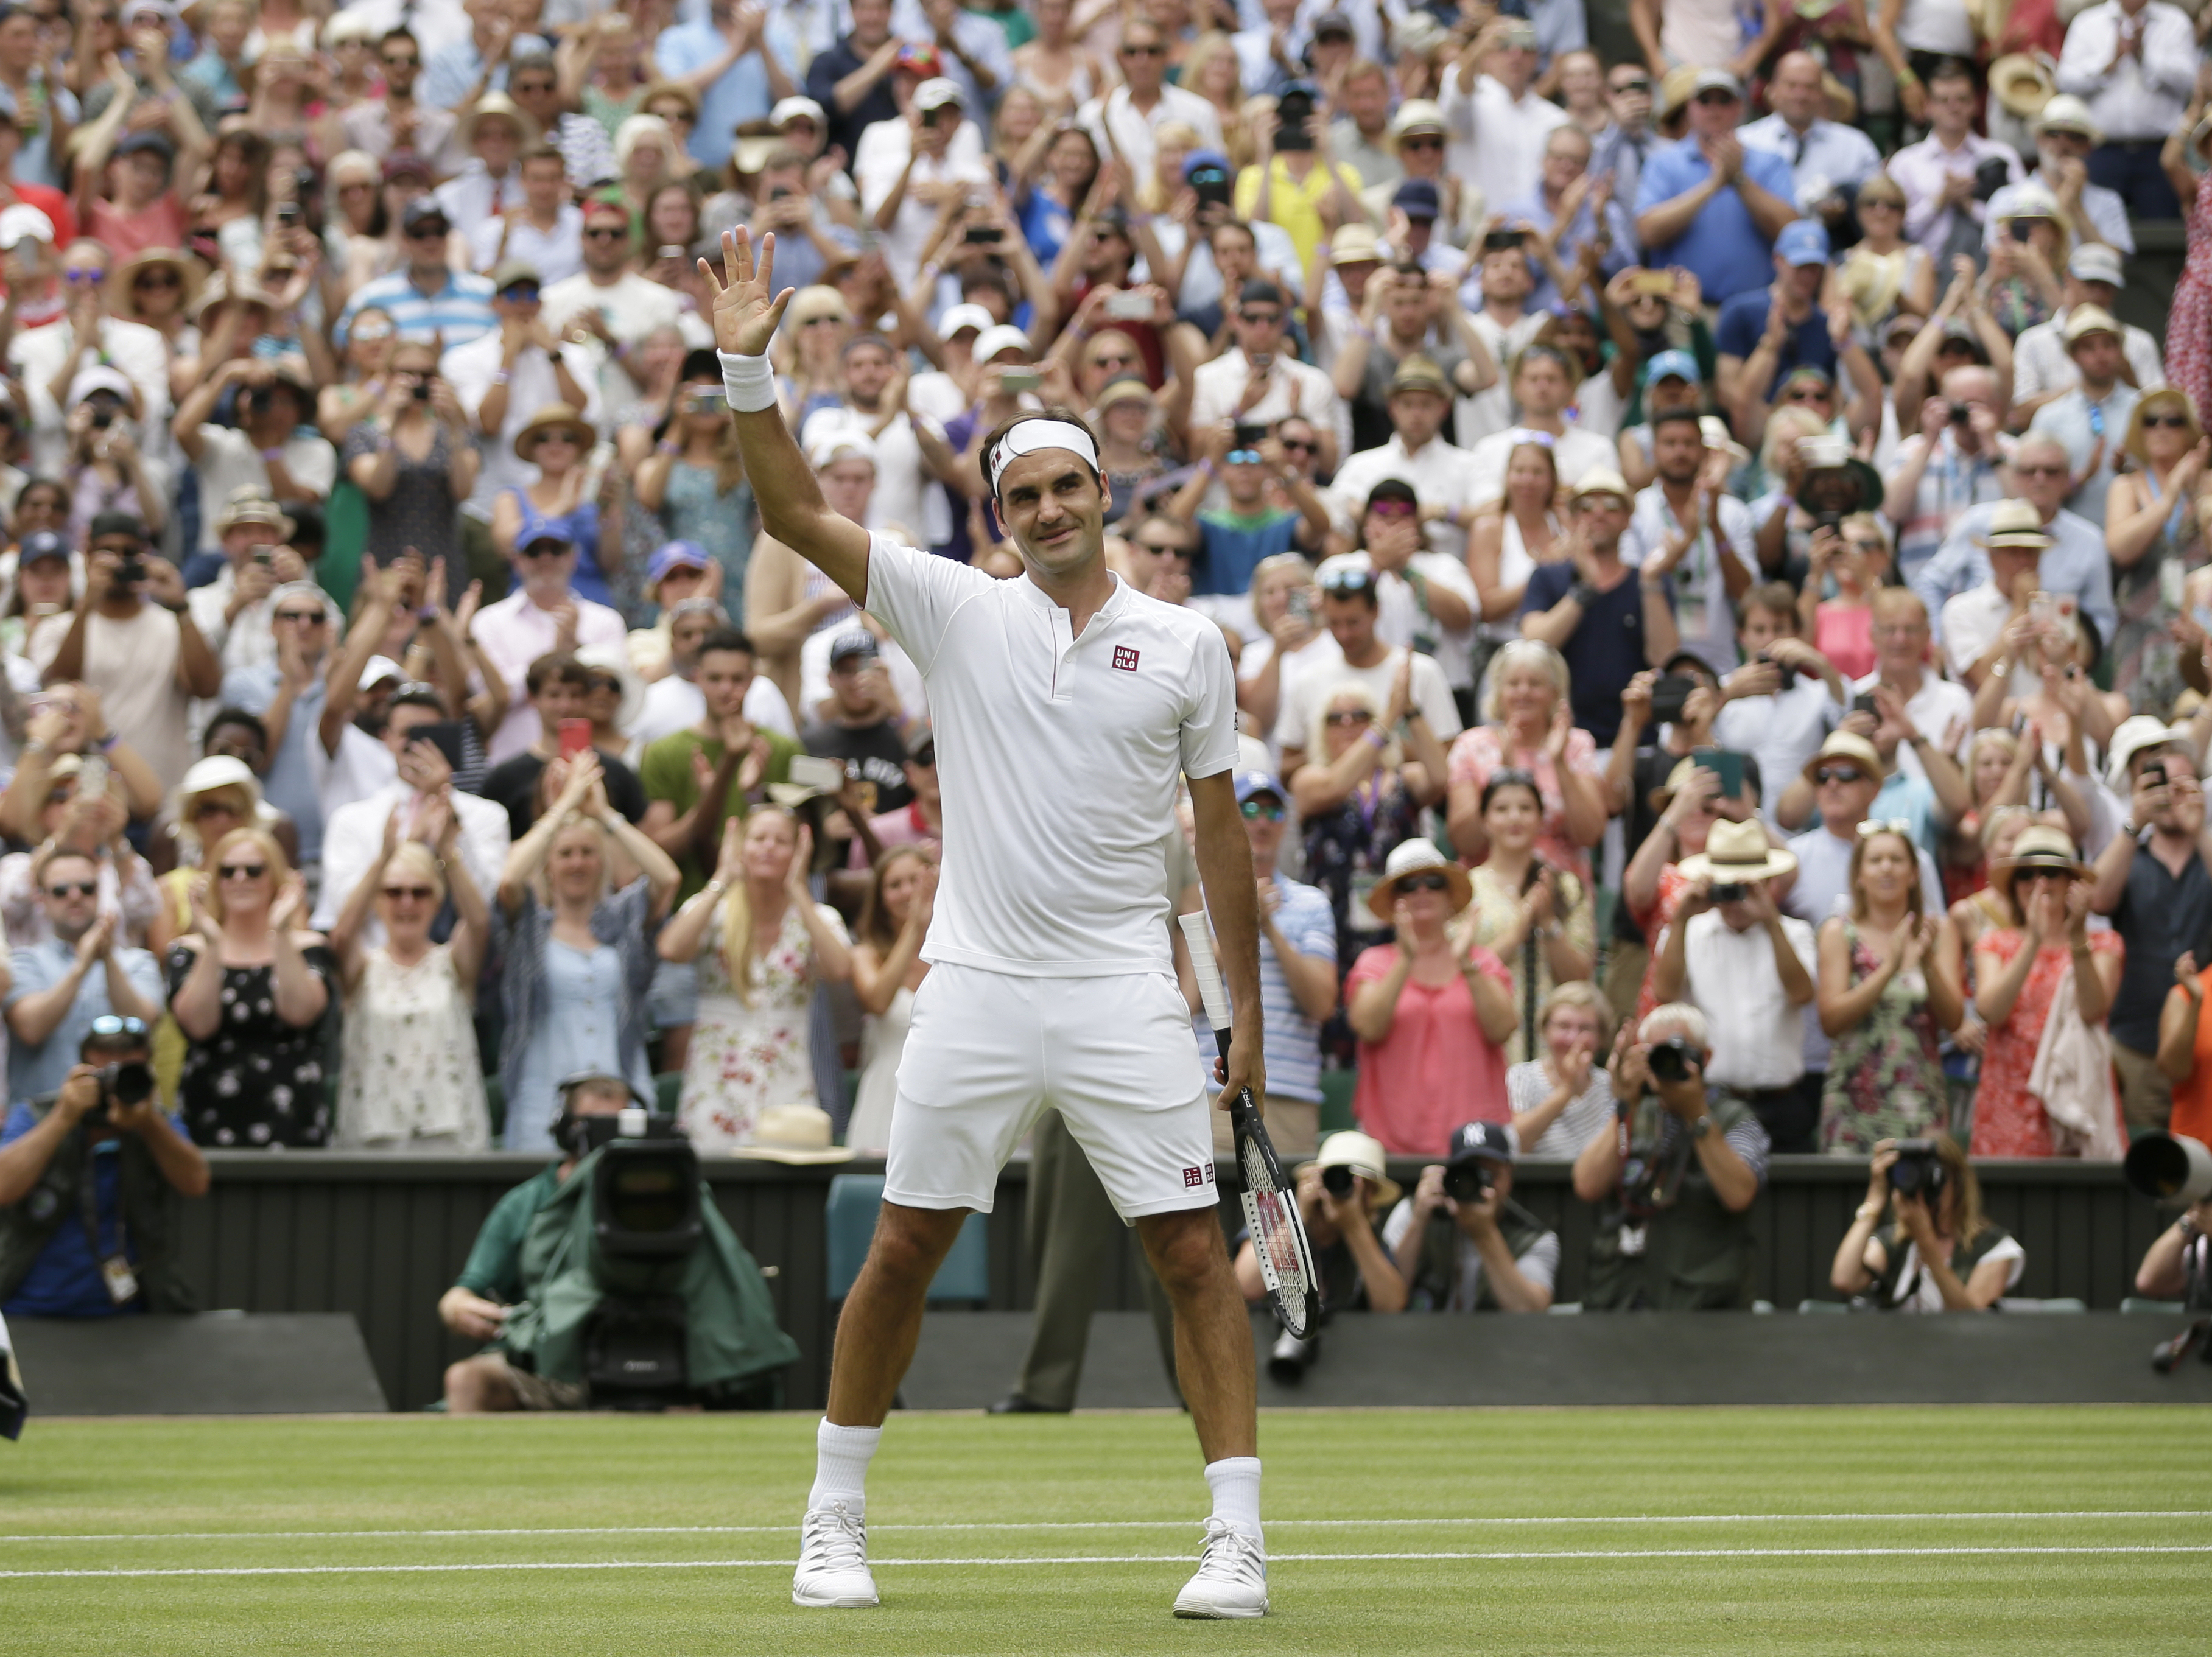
x=114 y=1265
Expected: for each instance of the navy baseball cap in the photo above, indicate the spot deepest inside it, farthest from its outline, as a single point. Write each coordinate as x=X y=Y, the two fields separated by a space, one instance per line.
x=1491 y=1139
x=43 y=544
x=1418 y=199
x=676 y=554
x=858 y=642
x=1251 y=784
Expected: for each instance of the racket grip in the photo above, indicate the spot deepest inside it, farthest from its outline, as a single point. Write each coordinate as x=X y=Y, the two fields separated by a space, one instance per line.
x=1210 y=987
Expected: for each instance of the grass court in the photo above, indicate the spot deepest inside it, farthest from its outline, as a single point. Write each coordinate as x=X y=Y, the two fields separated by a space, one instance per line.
x=1973 y=1530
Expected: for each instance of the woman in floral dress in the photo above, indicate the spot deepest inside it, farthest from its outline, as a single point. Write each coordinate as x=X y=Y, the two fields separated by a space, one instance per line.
x=1884 y=997
x=2189 y=319
x=758 y=970
x=2018 y=970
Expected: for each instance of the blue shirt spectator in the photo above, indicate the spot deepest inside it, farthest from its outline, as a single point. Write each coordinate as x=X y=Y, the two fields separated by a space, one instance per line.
x=2075 y=561
x=739 y=94
x=454 y=312
x=1722 y=244
x=1231 y=544
x=1801 y=264
x=39 y=1067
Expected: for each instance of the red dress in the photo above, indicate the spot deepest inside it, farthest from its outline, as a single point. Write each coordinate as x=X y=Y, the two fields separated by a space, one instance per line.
x=2008 y=1120
x=2188 y=320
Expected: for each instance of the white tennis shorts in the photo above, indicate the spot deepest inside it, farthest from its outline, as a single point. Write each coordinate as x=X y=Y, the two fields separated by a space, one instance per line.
x=988 y=1052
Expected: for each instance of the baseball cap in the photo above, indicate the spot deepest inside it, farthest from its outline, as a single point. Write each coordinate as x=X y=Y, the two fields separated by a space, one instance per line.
x=1002 y=337
x=1673 y=365
x=936 y=92
x=676 y=554
x=1716 y=80
x=1491 y=1139
x=147 y=141
x=1332 y=23
x=422 y=209
x=510 y=271
x=1251 y=784
x=24 y=220
x=841 y=443
x=1802 y=242
x=1417 y=198
x=966 y=316
x=43 y=545
x=918 y=57
x=2092 y=261
x=100 y=377
x=380 y=669
x=853 y=641
x=1199 y=160
x=795 y=109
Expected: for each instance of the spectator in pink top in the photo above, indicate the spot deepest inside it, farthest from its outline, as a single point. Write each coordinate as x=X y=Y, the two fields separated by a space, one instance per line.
x=1431 y=1014
x=1529 y=725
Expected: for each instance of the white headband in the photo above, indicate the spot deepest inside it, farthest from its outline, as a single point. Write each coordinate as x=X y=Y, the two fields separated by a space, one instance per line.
x=1031 y=435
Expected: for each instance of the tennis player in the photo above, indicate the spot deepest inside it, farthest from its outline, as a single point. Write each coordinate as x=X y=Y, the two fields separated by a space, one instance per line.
x=1066 y=705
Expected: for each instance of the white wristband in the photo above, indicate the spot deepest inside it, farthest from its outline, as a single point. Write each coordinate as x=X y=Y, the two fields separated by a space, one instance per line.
x=748 y=381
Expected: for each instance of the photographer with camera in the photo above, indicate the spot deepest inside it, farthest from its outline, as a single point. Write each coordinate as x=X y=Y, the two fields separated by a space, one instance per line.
x=1940 y=1252
x=87 y=1173
x=1340 y=1192
x=1676 y=1173
x=1461 y=1242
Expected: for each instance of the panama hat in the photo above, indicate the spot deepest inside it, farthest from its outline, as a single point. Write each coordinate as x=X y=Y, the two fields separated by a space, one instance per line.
x=250 y=505
x=1738 y=852
x=1602 y=480
x=2022 y=84
x=793 y=1133
x=1350 y=1147
x=2017 y=525
x=1843 y=745
x=554 y=416
x=151 y=258
x=490 y=105
x=1418 y=857
x=2132 y=736
x=2037 y=848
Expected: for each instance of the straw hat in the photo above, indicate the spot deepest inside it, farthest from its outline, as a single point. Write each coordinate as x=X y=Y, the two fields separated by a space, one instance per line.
x=1418 y=857
x=250 y=505
x=2037 y=848
x=1349 y=1148
x=1843 y=745
x=1602 y=480
x=1739 y=851
x=613 y=660
x=118 y=282
x=495 y=103
x=2017 y=525
x=2022 y=84
x=555 y=416
x=793 y=1133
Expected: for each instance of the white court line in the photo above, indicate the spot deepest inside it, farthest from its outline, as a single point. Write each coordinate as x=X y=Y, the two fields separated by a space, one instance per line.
x=1089 y=1559
x=1120 y=1524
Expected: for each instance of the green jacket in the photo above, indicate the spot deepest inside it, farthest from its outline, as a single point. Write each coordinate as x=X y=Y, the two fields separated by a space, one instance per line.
x=1437 y=1273
x=148 y=1205
x=1698 y=1255
x=731 y=1333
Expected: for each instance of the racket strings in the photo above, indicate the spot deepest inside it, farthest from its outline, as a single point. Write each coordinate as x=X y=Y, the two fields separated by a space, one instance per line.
x=1276 y=1232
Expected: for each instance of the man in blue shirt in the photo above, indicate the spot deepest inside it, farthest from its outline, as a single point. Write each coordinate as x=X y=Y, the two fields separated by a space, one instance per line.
x=721 y=57
x=88 y=1178
x=1609 y=621
x=1709 y=204
x=1229 y=544
x=84 y=971
x=1800 y=264
x=2092 y=419
x=427 y=299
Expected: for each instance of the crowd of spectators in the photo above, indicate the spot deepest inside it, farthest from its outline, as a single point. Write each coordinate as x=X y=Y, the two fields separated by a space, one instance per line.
x=1718 y=597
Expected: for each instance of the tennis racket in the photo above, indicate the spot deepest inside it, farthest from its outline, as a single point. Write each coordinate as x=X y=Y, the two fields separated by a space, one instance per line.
x=1271 y=1207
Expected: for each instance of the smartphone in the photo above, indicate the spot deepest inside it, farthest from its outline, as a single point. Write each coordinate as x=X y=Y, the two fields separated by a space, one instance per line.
x=824 y=776
x=445 y=737
x=990 y=235
x=1128 y=307
x=1726 y=764
x=92 y=776
x=1652 y=281
x=2154 y=773
x=1863 y=703
x=1300 y=605
x=1019 y=379
x=1500 y=241
x=575 y=738
x=263 y=556
x=288 y=214
x=1668 y=695
x=1250 y=434
x=2043 y=606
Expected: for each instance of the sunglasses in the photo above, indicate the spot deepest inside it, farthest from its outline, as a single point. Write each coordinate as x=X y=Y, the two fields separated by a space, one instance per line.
x=1259 y=317
x=1391 y=509
x=1423 y=141
x=2178 y=422
x=519 y=293
x=1639 y=84
x=157 y=279
x=1299 y=445
x=528 y=87
x=2025 y=470
x=110 y=1023
x=927 y=759
x=300 y=617
x=1895 y=205
x=2063 y=876
x=243 y=871
x=1828 y=774
x=1873 y=826
x=1806 y=394
x=1424 y=883
x=1260 y=810
x=1243 y=457
x=1713 y=96
x=74 y=889
x=417 y=893
x=607 y=233
x=1112 y=362
x=427 y=232
x=1857 y=544
x=1344 y=582
x=1144 y=51
x=1351 y=716
x=543 y=548
x=1158 y=549
x=97 y=274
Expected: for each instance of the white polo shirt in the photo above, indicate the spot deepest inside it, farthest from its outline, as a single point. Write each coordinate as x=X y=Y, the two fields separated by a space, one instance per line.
x=1758 y=1035
x=1059 y=757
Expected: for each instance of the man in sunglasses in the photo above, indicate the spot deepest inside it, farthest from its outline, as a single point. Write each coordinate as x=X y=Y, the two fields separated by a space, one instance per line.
x=1416 y=142
x=1620 y=142
x=1709 y=204
x=89 y=1175
x=617 y=306
x=399 y=120
x=2073 y=562
x=85 y=335
x=426 y=298
x=84 y=970
x=1145 y=102
x=1360 y=136
x=545 y=229
x=1256 y=380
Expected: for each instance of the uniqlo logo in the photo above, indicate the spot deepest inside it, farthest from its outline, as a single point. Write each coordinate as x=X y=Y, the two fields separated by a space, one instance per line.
x=1126 y=660
x=1195 y=1176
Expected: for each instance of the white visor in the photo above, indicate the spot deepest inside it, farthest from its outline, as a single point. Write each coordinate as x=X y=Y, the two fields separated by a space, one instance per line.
x=1031 y=435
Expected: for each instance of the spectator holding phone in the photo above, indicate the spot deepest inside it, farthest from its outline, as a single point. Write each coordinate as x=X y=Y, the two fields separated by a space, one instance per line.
x=1781 y=704
x=1885 y=995
x=1561 y=1098
x=1731 y=952
x=1461 y=1243
x=1694 y=799
x=1530 y=728
x=1939 y=1253
x=1431 y=1012
x=1352 y=1267
x=1533 y=916
x=1675 y=1177
x=560 y=687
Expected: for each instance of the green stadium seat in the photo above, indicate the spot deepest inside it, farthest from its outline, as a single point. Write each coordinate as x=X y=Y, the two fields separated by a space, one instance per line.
x=1336 y=1087
x=855 y=1199
x=2138 y=1303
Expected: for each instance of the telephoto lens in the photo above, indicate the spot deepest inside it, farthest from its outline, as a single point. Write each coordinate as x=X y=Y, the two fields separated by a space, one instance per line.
x=1336 y=1180
x=1917 y=1173
x=1467 y=1182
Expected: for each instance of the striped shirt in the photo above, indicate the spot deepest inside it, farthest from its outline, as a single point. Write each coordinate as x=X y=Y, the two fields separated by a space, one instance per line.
x=457 y=314
x=1290 y=1042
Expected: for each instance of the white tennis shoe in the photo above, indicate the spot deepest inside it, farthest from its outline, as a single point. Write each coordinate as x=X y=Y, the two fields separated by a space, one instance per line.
x=833 y=1562
x=1232 y=1576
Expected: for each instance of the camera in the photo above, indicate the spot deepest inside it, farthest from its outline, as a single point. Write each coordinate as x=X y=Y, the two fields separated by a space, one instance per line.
x=1337 y=1179
x=929 y=116
x=781 y=192
x=1250 y=434
x=1211 y=184
x=1671 y=1059
x=130 y=571
x=986 y=235
x=102 y=419
x=1670 y=694
x=645 y=1223
x=1504 y=242
x=1990 y=176
x=1917 y=1172
x=288 y=214
x=1732 y=891
x=128 y=1081
x=1788 y=673
x=421 y=391
x=2168 y=1168
x=1961 y=415
x=1292 y=111
x=1470 y=1181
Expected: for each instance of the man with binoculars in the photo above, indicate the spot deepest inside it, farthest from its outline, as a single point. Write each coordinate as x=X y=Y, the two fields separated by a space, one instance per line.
x=87 y=1181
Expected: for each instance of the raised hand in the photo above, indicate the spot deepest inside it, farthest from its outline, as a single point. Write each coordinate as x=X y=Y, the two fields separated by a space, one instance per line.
x=747 y=307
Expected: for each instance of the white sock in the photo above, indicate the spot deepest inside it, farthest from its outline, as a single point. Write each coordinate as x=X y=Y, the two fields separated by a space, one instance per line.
x=842 y=1455
x=1234 y=1481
